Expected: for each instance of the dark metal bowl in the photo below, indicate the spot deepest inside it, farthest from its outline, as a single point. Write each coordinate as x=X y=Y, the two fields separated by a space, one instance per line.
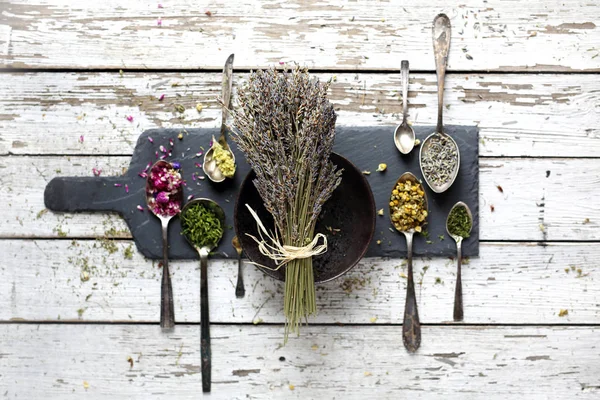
x=351 y=209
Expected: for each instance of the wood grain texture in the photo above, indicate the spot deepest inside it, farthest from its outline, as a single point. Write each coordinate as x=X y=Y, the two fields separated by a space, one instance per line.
x=73 y=362
x=534 y=204
x=350 y=35
x=518 y=115
x=83 y=281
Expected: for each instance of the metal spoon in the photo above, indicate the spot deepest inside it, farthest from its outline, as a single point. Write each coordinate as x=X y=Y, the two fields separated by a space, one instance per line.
x=411 y=327
x=441 y=47
x=204 y=318
x=239 y=288
x=458 y=299
x=404 y=135
x=210 y=165
x=167 y=311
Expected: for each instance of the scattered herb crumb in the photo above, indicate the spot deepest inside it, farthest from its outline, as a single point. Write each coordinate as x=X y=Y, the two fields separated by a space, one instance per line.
x=257 y=321
x=428 y=242
x=367 y=373
x=586 y=221
x=292 y=387
x=42 y=212
x=441 y=237
x=86 y=385
x=380 y=212
x=80 y=312
x=199 y=107
x=381 y=167
x=500 y=189
x=563 y=313
x=492 y=208
x=130 y=361
x=438 y=280
x=365 y=172
x=128 y=252
x=378 y=242
x=179 y=108
x=373 y=320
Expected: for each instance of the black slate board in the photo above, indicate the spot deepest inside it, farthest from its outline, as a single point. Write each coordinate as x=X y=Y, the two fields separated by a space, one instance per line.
x=366 y=147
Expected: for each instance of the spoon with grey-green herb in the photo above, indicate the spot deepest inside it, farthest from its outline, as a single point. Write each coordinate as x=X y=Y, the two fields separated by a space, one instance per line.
x=439 y=156
x=458 y=225
x=202 y=223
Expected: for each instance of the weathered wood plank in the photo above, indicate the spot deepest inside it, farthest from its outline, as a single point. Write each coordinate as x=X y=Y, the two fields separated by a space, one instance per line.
x=518 y=115
x=82 y=281
x=352 y=35
x=72 y=362
x=536 y=202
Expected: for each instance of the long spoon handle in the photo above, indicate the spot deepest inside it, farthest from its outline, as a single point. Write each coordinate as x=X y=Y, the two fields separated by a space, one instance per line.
x=411 y=327
x=458 y=297
x=240 y=291
x=167 y=310
x=441 y=47
x=205 y=355
x=404 y=73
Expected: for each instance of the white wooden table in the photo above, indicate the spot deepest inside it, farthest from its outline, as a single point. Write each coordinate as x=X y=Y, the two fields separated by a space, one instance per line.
x=527 y=73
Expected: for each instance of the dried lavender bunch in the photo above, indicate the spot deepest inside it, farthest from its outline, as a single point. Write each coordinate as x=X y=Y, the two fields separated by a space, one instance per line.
x=285 y=126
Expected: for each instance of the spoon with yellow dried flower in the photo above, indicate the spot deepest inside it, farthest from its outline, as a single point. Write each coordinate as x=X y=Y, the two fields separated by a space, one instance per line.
x=202 y=224
x=459 y=224
x=164 y=196
x=408 y=212
x=219 y=161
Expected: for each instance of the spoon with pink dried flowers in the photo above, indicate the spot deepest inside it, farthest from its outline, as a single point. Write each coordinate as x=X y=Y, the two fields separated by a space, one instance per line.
x=164 y=195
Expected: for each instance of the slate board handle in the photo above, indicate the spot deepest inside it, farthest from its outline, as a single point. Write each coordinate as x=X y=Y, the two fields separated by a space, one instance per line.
x=68 y=194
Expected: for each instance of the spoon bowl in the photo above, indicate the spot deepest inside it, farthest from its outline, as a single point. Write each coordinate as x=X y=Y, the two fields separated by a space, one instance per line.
x=404 y=135
x=458 y=298
x=425 y=148
x=204 y=317
x=411 y=326
x=167 y=309
x=209 y=165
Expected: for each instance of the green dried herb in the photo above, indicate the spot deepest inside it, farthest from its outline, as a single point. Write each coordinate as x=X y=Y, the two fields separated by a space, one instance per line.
x=459 y=223
x=201 y=226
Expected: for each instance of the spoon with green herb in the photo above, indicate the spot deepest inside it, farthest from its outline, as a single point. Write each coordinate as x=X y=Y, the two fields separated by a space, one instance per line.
x=202 y=223
x=459 y=224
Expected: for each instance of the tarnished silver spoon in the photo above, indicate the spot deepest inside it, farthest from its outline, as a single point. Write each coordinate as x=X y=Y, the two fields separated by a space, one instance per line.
x=458 y=297
x=441 y=47
x=167 y=310
x=404 y=135
x=411 y=326
x=210 y=165
x=205 y=354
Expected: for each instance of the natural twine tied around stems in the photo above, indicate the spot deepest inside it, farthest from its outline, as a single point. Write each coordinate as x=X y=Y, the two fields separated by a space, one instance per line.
x=283 y=253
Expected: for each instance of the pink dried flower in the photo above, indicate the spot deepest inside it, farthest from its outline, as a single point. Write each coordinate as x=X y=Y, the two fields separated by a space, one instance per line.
x=171 y=142
x=156 y=154
x=159 y=22
x=130 y=118
x=198 y=165
x=126 y=188
x=150 y=139
x=162 y=97
x=193 y=177
x=199 y=154
x=81 y=139
x=162 y=149
x=96 y=172
x=281 y=62
x=201 y=178
x=160 y=5
x=140 y=208
x=147 y=167
x=163 y=156
x=191 y=196
x=162 y=197
x=143 y=175
x=118 y=185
